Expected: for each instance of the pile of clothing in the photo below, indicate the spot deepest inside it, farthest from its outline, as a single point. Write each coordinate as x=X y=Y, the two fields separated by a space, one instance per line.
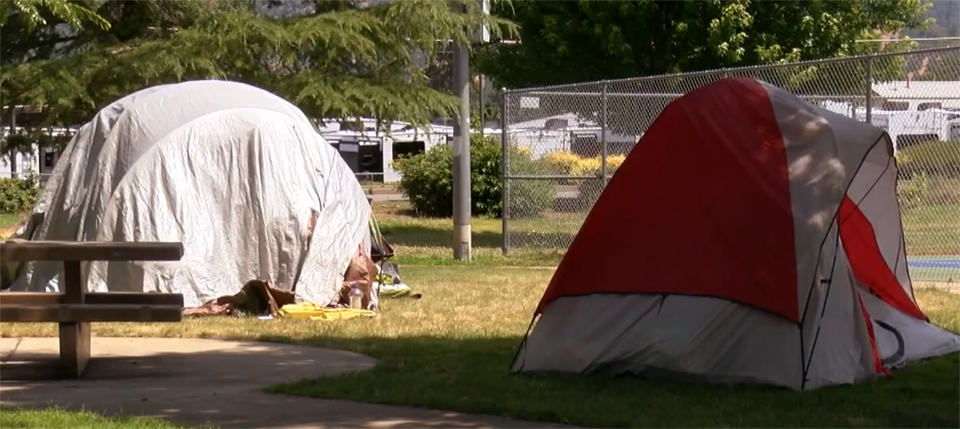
x=260 y=298
x=388 y=282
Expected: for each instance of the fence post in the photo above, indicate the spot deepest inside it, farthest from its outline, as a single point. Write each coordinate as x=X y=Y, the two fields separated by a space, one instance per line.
x=603 y=134
x=504 y=172
x=868 y=89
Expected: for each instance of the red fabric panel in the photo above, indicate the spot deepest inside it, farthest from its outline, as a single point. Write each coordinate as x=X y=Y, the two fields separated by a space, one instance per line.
x=701 y=206
x=867 y=263
x=877 y=362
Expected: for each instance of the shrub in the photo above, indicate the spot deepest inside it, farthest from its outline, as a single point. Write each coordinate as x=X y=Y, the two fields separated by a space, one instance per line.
x=614 y=162
x=18 y=195
x=928 y=174
x=592 y=166
x=937 y=158
x=427 y=180
x=912 y=192
x=565 y=162
x=589 y=190
x=586 y=167
x=528 y=197
x=562 y=162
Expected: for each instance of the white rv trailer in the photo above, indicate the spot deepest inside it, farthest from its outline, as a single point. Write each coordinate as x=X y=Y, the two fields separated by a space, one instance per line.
x=906 y=126
x=376 y=149
x=566 y=132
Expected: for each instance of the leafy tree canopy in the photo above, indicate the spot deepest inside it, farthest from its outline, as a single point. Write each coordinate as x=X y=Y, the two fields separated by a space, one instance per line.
x=576 y=41
x=34 y=13
x=335 y=60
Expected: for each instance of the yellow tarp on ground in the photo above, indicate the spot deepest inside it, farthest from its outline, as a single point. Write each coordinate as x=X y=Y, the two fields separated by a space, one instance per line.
x=311 y=311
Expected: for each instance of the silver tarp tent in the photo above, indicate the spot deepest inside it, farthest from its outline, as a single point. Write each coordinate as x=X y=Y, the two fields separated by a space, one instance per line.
x=237 y=174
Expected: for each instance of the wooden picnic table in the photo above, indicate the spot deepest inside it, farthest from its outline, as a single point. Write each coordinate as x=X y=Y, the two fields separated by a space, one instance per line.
x=73 y=308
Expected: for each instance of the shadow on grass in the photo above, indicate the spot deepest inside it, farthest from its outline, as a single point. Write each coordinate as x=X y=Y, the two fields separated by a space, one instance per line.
x=213 y=388
x=419 y=235
x=470 y=376
x=428 y=236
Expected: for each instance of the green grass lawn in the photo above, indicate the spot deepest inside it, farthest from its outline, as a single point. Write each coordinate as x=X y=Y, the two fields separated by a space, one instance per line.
x=932 y=230
x=9 y=219
x=419 y=241
x=9 y=223
x=58 y=418
x=928 y=231
x=464 y=368
x=451 y=350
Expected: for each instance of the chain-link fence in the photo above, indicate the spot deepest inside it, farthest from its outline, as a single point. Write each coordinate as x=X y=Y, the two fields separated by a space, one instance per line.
x=563 y=143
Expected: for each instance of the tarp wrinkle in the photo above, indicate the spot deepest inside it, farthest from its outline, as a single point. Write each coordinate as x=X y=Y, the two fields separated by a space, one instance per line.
x=230 y=170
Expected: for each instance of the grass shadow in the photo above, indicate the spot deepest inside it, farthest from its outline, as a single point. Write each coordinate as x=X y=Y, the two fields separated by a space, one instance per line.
x=538 y=239
x=471 y=375
x=427 y=235
x=216 y=387
x=421 y=235
x=452 y=350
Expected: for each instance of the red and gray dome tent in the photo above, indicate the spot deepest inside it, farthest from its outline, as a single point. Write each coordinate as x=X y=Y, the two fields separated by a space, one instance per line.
x=749 y=237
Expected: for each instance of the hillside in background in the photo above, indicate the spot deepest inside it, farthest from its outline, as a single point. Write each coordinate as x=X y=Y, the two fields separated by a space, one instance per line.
x=946 y=14
x=937 y=66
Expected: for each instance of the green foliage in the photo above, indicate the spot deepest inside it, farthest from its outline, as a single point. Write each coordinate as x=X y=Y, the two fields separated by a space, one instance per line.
x=486 y=179
x=428 y=181
x=923 y=189
x=576 y=41
x=491 y=111
x=529 y=197
x=912 y=192
x=935 y=158
x=336 y=61
x=928 y=174
x=18 y=195
x=34 y=13
x=15 y=143
x=849 y=77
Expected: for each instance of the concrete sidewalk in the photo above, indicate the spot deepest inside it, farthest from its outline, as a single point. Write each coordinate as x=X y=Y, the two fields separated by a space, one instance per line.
x=196 y=382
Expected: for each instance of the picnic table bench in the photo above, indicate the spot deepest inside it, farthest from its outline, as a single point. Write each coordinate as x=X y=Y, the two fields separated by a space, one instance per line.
x=74 y=308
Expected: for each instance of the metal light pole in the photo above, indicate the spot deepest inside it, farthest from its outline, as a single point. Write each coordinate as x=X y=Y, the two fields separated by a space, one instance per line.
x=462 y=248
x=462 y=228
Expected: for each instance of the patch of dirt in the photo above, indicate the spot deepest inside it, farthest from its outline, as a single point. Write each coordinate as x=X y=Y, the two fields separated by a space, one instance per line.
x=953 y=287
x=392 y=208
x=6 y=232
